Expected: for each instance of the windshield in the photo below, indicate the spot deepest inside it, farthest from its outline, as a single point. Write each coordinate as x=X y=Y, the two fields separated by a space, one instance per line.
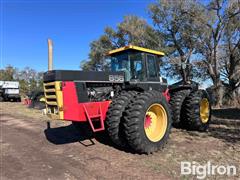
x=130 y=64
x=120 y=63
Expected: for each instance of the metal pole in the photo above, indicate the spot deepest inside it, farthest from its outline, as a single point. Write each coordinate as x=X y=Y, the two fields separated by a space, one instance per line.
x=50 y=55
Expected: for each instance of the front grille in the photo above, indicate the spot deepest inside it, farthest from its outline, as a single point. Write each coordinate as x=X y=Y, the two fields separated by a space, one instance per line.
x=50 y=93
x=53 y=95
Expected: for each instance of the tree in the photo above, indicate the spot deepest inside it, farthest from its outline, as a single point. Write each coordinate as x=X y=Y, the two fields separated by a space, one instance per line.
x=39 y=80
x=132 y=30
x=231 y=52
x=195 y=33
x=30 y=80
x=213 y=24
x=175 y=21
x=8 y=74
x=98 y=50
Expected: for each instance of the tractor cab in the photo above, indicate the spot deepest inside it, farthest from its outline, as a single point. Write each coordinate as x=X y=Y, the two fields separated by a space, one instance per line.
x=138 y=64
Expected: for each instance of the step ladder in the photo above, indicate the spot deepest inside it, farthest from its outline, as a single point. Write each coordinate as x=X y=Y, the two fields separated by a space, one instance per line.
x=94 y=116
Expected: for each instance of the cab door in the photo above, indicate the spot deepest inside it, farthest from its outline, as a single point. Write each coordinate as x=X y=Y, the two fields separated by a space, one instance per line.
x=152 y=68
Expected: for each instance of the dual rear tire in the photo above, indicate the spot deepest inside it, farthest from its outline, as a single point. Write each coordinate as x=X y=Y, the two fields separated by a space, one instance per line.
x=176 y=103
x=191 y=110
x=197 y=111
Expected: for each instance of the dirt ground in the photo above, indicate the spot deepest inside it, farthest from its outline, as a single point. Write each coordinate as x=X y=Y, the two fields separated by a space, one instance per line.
x=33 y=149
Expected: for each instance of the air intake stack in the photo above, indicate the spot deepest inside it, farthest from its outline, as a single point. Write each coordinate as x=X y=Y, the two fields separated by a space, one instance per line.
x=50 y=55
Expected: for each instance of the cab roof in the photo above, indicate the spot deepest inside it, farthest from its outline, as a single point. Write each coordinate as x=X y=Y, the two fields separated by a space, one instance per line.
x=129 y=47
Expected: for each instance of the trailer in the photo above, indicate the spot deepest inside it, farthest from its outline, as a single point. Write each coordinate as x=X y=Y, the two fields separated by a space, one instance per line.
x=9 y=91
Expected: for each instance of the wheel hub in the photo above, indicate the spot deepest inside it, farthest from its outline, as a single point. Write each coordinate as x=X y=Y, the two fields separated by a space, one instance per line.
x=148 y=121
x=204 y=110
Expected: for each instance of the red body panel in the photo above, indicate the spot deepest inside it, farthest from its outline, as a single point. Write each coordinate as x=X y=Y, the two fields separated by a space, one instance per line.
x=75 y=111
x=88 y=111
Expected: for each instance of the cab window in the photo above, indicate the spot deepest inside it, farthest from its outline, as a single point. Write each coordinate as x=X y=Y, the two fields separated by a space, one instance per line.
x=151 y=66
x=130 y=64
x=136 y=66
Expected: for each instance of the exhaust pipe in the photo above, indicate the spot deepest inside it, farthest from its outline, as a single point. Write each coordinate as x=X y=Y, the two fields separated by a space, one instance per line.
x=50 y=55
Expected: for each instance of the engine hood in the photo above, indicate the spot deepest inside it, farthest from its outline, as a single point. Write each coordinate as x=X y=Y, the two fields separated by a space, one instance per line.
x=83 y=76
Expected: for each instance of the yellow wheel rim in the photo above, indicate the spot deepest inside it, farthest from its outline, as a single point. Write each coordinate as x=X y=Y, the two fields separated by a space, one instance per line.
x=204 y=110
x=155 y=123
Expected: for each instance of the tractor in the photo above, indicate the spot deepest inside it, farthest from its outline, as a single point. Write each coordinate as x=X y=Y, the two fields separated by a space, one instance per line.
x=132 y=102
x=36 y=99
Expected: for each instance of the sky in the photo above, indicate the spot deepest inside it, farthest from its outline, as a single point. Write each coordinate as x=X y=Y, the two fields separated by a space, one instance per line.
x=72 y=25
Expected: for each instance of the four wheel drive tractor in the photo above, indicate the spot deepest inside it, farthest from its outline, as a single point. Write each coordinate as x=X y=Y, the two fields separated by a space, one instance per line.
x=132 y=101
x=36 y=99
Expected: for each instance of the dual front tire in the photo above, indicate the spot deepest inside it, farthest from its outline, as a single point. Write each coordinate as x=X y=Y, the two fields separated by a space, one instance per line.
x=142 y=121
x=114 y=120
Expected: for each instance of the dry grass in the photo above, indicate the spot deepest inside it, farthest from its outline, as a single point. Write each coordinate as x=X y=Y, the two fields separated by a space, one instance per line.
x=18 y=109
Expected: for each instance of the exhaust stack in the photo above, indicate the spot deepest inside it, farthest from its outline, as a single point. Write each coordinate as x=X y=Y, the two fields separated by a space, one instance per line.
x=50 y=55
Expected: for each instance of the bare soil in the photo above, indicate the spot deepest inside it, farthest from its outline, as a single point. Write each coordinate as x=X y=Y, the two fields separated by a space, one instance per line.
x=31 y=148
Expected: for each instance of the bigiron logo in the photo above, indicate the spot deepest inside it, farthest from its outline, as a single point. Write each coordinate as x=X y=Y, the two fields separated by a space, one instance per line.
x=208 y=169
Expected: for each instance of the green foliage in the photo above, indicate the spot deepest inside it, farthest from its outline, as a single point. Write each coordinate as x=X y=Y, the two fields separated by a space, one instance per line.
x=8 y=74
x=177 y=23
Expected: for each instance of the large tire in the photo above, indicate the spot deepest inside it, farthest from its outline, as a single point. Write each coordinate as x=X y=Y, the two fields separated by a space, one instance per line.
x=176 y=103
x=197 y=111
x=113 y=121
x=137 y=126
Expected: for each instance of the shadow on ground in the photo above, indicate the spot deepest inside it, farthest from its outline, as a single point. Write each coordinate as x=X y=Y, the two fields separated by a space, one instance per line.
x=66 y=134
x=228 y=134
x=228 y=113
x=226 y=124
x=71 y=134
